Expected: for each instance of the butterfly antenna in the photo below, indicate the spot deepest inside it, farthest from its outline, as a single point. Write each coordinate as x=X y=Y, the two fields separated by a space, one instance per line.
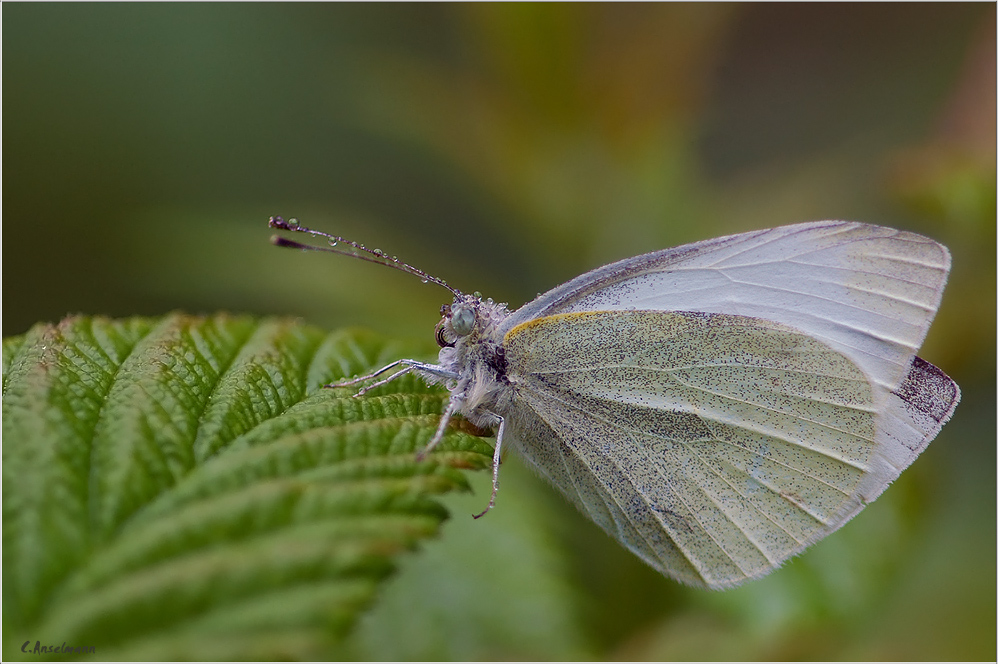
x=356 y=250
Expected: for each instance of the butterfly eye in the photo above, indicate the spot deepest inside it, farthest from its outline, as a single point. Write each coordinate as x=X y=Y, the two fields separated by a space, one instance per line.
x=462 y=319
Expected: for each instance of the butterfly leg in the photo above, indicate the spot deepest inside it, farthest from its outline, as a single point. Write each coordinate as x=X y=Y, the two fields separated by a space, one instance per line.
x=384 y=381
x=444 y=421
x=410 y=365
x=495 y=467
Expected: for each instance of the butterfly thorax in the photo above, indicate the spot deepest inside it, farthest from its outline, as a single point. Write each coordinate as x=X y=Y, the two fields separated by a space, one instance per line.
x=471 y=348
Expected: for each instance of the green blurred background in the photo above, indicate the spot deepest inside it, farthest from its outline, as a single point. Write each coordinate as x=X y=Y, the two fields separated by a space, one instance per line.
x=507 y=148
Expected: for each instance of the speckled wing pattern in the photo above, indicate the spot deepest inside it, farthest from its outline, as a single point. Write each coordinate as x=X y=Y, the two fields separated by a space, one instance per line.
x=716 y=444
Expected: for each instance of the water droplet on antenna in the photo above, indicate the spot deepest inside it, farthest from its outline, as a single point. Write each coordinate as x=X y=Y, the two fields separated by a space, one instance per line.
x=293 y=222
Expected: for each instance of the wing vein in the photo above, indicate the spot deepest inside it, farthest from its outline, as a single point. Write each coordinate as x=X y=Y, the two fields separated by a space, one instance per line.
x=665 y=526
x=554 y=395
x=779 y=412
x=747 y=499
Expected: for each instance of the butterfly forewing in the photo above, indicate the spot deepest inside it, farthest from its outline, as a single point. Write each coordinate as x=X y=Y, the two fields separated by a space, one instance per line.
x=867 y=291
x=729 y=441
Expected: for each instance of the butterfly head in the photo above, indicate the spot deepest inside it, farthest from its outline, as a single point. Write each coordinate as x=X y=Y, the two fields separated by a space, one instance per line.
x=468 y=317
x=459 y=320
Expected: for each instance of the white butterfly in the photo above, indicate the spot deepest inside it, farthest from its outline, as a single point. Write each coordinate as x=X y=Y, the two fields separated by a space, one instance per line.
x=717 y=407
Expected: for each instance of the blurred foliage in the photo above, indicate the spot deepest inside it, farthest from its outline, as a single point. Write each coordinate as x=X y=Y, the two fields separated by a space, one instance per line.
x=506 y=148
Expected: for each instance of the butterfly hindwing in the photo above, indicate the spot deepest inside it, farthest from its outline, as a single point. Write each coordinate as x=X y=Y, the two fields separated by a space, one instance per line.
x=731 y=441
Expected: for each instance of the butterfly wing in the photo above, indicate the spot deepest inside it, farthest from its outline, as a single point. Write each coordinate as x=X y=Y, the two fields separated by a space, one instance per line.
x=713 y=446
x=867 y=291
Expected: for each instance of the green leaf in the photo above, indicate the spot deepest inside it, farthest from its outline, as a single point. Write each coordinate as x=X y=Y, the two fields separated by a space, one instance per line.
x=184 y=488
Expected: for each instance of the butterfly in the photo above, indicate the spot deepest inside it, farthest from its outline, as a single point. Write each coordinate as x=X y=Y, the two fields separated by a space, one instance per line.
x=717 y=407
